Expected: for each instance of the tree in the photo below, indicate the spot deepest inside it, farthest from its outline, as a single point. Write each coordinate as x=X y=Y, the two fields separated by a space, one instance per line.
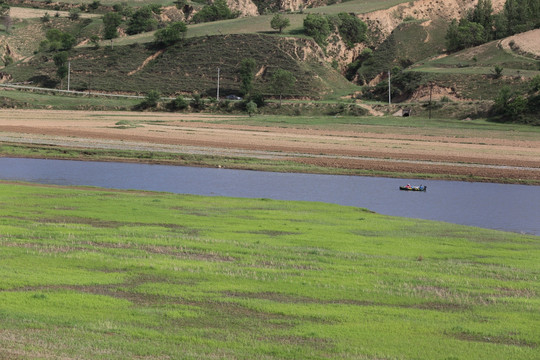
x=247 y=74
x=143 y=20
x=483 y=14
x=521 y=15
x=94 y=39
x=352 y=29
x=282 y=81
x=172 y=34
x=464 y=35
x=219 y=10
x=179 y=103
x=111 y=21
x=151 y=100
x=60 y=60
x=317 y=27
x=279 y=22
x=58 y=40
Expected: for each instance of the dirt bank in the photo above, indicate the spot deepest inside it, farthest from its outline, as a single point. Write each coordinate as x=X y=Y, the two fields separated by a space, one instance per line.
x=444 y=152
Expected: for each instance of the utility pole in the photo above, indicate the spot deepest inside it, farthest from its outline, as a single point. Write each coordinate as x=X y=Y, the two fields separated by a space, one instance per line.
x=430 y=92
x=389 y=89
x=69 y=72
x=217 y=97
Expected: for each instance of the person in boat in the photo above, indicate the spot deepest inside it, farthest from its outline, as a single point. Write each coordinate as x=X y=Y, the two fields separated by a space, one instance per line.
x=408 y=186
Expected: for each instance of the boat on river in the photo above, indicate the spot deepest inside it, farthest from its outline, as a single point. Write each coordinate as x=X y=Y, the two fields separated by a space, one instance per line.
x=413 y=188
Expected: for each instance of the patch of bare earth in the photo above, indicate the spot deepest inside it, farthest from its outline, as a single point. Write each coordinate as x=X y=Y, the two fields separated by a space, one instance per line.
x=526 y=43
x=493 y=155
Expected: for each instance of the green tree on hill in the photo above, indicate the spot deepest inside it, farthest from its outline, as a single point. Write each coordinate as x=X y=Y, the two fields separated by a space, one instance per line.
x=480 y=25
x=219 y=10
x=282 y=81
x=279 y=22
x=60 y=60
x=247 y=74
x=317 y=27
x=143 y=20
x=172 y=34
x=111 y=21
x=351 y=29
x=483 y=14
x=521 y=15
x=57 y=40
x=464 y=34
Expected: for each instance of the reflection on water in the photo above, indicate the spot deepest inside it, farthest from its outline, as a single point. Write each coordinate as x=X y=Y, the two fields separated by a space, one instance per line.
x=496 y=206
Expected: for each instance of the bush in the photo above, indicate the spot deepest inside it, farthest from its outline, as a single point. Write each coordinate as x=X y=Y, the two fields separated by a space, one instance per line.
x=497 y=71
x=74 y=14
x=317 y=27
x=172 y=34
x=251 y=108
x=351 y=29
x=214 y=12
x=45 y=18
x=143 y=20
x=150 y=101
x=197 y=103
x=510 y=106
x=178 y=104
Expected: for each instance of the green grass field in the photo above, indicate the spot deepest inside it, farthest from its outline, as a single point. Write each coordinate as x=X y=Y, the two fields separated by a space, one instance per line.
x=356 y=6
x=36 y=100
x=99 y=274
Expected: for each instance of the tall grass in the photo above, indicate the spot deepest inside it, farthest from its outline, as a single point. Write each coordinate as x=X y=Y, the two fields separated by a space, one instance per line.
x=98 y=274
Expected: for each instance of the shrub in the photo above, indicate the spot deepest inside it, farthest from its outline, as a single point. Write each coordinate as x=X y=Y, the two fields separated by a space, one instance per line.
x=351 y=29
x=497 y=71
x=172 y=34
x=45 y=18
x=317 y=27
x=219 y=10
x=74 y=14
x=251 y=108
x=179 y=103
x=150 y=101
x=143 y=20
x=197 y=103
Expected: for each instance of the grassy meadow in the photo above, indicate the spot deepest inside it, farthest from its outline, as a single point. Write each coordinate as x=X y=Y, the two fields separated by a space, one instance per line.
x=101 y=274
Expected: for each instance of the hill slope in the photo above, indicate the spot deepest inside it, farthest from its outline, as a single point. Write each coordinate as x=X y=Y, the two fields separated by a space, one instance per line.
x=192 y=66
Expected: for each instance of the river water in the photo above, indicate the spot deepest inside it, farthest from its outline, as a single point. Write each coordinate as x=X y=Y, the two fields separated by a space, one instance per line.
x=513 y=208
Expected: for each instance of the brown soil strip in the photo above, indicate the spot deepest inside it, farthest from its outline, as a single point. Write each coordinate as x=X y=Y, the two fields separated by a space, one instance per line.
x=446 y=152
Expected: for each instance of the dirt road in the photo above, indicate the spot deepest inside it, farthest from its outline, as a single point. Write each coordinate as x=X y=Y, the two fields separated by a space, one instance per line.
x=446 y=152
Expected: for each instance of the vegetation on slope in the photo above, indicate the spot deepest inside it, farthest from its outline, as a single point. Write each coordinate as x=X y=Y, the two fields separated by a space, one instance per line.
x=189 y=67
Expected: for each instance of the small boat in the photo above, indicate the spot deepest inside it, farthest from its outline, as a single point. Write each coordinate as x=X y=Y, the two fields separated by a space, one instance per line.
x=413 y=188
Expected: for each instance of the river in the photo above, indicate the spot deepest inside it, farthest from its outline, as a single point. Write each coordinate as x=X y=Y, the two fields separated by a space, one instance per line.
x=513 y=208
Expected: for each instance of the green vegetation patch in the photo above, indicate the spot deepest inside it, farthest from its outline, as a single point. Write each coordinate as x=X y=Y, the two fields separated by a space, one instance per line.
x=154 y=275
